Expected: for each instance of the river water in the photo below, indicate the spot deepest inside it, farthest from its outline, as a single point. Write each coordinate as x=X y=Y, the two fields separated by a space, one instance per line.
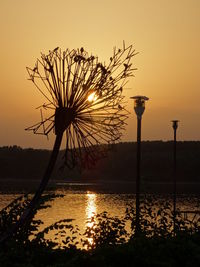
x=78 y=205
x=82 y=204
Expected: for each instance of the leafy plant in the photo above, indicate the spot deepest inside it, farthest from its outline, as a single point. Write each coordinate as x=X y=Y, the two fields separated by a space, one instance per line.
x=61 y=234
x=11 y=214
x=104 y=230
x=156 y=218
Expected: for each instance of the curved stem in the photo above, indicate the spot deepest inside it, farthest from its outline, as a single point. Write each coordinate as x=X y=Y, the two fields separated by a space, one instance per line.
x=27 y=214
x=49 y=169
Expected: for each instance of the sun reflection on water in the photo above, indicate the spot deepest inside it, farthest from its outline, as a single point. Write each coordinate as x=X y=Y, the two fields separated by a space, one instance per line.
x=91 y=210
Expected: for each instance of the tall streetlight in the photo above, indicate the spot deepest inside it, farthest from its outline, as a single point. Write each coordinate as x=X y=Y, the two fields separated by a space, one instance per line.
x=174 y=126
x=139 y=107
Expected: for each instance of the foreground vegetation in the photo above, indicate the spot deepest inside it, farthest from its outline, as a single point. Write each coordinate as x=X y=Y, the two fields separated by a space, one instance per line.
x=107 y=241
x=178 y=251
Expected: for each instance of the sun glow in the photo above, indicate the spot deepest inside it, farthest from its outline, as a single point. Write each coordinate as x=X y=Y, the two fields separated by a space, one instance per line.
x=91 y=210
x=91 y=207
x=92 y=97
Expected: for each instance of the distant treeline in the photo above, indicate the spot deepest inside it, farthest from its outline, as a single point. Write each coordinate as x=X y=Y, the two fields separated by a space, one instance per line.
x=119 y=165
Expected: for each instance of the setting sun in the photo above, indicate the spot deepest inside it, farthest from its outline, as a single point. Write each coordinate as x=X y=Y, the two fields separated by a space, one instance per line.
x=92 y=97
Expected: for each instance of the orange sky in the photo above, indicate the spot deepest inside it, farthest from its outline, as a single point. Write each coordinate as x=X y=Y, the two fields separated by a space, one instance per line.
x=166 y=33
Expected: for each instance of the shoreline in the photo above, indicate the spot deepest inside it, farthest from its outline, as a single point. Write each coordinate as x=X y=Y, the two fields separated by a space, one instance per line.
x=100 y=186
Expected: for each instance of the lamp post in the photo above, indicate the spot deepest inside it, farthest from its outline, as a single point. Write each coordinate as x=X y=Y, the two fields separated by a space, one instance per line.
x=139 y=107
x=174 y=126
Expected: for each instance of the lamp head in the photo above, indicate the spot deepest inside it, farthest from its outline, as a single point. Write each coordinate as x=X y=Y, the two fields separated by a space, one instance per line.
x=139 y=104
x=175 y=124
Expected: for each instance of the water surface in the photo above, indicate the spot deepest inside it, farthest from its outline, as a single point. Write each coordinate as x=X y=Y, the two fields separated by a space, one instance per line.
x=81 y=205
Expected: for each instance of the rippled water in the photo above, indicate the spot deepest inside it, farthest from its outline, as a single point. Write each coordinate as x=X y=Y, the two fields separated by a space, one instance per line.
x=78 y=206
x=81 y=205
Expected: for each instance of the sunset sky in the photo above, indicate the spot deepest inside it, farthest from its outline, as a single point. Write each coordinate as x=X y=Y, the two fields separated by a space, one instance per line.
x=166 y=33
